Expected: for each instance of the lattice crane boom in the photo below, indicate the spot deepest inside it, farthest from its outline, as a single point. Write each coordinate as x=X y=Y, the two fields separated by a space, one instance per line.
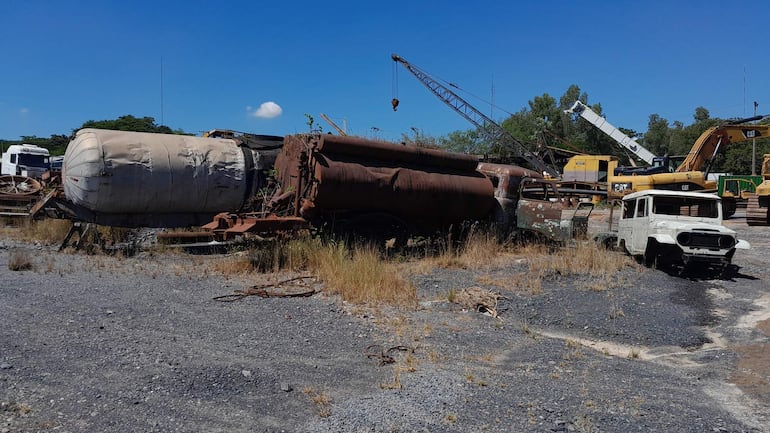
x=499 y=136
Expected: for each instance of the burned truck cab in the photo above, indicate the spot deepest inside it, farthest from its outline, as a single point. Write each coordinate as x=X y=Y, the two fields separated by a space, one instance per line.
x=527 y=202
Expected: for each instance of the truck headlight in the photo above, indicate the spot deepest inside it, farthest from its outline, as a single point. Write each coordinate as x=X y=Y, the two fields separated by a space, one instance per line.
x=726 y=242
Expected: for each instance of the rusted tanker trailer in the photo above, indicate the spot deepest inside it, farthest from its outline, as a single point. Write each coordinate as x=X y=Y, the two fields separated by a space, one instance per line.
x=340 y=180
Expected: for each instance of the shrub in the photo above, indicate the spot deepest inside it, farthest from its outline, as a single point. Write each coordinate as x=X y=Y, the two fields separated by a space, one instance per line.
x=19 y=260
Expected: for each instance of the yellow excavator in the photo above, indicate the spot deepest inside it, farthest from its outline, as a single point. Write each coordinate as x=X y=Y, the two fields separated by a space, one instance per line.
x=691 y=174
x=758 y=205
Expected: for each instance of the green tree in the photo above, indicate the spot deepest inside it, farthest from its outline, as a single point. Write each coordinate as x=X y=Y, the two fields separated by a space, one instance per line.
x=563 y=124
x=420 y=139
x=682 y=138
x=57 y=143
x=470 y=141
x=662 y=137
x=658 y=136
x=129 y=123
x=737 y=158
x=701 y=115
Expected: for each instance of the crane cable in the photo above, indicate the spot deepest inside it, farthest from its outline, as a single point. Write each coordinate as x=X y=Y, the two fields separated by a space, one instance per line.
x=395 y=101
x=394 y=84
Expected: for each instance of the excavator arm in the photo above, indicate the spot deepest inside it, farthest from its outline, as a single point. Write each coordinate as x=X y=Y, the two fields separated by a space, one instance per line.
x=716 y=138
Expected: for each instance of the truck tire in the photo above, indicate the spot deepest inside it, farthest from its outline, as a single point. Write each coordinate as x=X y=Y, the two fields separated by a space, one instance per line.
x=651 y=254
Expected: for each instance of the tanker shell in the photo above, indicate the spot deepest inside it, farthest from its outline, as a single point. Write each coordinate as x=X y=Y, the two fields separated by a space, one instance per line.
x=426 y=194
x=136 y=172
x=359 y=175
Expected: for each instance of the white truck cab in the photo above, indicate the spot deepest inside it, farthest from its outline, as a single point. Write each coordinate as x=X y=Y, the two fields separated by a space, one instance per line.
x=676 y=227
x=25 y=160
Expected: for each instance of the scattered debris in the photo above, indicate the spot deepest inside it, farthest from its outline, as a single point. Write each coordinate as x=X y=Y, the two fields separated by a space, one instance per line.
x=478 y=299
x=376 y=351
x=299 y=289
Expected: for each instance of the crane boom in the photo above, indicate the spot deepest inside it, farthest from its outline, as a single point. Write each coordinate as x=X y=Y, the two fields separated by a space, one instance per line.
x=622 y=139
x=339 y=130
x=498 y=135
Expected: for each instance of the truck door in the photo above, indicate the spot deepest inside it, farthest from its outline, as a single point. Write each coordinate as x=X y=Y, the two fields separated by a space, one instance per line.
x=539 y=210
x=640 y=225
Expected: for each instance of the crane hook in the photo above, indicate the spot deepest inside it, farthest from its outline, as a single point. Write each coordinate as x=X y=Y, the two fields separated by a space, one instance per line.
x=394 y=103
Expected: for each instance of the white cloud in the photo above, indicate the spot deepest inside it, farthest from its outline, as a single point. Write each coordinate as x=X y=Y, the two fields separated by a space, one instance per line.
x=266 y=110
x=24 y=111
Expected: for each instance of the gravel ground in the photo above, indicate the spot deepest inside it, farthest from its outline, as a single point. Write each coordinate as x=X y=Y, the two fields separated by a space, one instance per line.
x=95 y=344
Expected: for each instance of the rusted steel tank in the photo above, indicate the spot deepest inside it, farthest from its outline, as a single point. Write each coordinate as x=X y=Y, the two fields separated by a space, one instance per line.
x=131 y=178
x=340 y=173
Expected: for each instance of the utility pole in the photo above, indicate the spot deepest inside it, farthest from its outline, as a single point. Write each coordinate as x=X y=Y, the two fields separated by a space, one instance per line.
x=162 y=120
x=754 y=146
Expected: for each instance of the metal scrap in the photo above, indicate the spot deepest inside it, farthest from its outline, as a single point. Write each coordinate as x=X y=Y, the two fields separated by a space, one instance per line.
x=384 y=357
x=478 y=299
x=275 y=290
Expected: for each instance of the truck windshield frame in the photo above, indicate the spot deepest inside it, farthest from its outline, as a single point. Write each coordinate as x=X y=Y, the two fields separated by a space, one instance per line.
x=31 y=160
x=686 y=206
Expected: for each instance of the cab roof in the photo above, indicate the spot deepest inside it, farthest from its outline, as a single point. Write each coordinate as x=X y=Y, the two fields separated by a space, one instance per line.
x=667 y=193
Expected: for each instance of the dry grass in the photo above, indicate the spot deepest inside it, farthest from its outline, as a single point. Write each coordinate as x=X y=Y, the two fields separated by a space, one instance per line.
x=50 y=231
x=19 y=260
x=481 y=249
x=47 y=231
x=597 y=267
x=321 y=400
x=273 y=256
x=396 y=382
x=359 y=274
x=583 y=258
x=235 y=264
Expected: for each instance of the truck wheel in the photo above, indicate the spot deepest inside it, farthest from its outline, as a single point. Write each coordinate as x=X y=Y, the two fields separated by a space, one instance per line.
x=651 y=254
x=726 y=271
x=623 y=247
x=608 y=244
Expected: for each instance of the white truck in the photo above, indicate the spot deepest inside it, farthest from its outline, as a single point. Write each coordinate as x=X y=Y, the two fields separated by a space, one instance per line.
x=25 y=160
x=676 y=228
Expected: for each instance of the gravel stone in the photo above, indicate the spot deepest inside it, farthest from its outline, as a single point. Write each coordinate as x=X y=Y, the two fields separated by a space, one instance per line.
x=97 y=344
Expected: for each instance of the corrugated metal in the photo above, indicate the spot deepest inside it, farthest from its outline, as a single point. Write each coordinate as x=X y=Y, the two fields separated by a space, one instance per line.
x=133 y=172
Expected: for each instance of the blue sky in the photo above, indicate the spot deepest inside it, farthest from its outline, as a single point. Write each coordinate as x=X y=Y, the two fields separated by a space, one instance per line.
x=65 y=62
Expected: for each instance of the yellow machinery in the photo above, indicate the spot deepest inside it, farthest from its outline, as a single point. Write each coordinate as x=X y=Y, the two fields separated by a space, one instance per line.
x=589 y=168
x=758 y=207
x=690 y=175
x=586 y=174
x=714 y=139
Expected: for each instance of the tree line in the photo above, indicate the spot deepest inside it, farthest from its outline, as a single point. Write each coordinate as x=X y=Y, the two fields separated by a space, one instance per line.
x=57 y=143
x=544 y=123
x=541 y=123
